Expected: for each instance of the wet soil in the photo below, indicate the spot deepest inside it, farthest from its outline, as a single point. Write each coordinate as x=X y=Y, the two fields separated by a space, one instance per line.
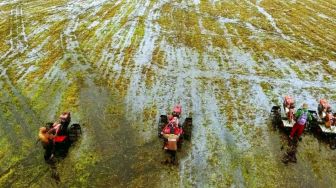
x=118 y=65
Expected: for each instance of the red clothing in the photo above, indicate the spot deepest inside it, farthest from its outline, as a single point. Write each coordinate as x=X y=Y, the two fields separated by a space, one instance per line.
x=167 y=129
x=298 y=129
x=177 y=131
x=59 y=138
x=56 y=129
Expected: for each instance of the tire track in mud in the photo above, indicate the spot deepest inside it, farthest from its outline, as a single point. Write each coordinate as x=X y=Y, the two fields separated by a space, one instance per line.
x=25 y=172
x=19 y=128
x=100 y=136
x=19 y=108
x=275 y=142
x=128 y=38
x=270 y=19
x=17 y=36
x=111 y=148
x=170 y=95
x=198 y=152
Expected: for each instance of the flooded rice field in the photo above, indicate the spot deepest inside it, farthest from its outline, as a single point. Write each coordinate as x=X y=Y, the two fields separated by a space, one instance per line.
x=118 y=65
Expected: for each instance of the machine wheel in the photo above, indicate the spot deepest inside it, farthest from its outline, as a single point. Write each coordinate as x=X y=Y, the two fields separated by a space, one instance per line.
x=162 y=122
x=318 y=130
x=180 y=142
x=74 y=132
x=47 y=152
x=187 y=128
x=276 y=117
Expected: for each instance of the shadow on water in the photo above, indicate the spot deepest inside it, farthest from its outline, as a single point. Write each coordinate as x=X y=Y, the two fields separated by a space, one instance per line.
x=54 y=173
x=28 y=172
x=112 y=151
x=21 y=163
x=312 y=155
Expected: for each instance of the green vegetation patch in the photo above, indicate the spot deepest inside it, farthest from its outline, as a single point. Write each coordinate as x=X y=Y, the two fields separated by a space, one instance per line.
x=184 y=30
x=312 y=34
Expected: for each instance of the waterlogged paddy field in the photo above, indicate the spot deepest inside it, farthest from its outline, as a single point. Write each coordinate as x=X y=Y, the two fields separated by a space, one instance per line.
x=117 y=65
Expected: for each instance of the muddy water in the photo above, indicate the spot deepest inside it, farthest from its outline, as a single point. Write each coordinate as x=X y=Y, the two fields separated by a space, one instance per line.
x=118 y=65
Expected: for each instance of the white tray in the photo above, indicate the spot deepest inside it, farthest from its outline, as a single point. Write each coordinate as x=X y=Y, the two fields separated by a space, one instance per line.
x=287 y=124
x=332 y=129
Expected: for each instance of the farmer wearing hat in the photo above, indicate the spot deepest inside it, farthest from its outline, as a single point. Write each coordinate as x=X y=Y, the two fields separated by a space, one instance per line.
x=302 y=115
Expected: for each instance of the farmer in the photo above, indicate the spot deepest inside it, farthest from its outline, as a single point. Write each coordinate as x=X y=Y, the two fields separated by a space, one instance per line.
x=172 y=127
x=59 y=129
x=289 y=106
x=301 y=116
x=323 y=108
x=177 y=110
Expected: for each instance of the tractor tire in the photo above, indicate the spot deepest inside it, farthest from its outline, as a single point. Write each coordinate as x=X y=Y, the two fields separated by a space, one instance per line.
x=162 y=122
x=187 y=128
x=74 y=132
